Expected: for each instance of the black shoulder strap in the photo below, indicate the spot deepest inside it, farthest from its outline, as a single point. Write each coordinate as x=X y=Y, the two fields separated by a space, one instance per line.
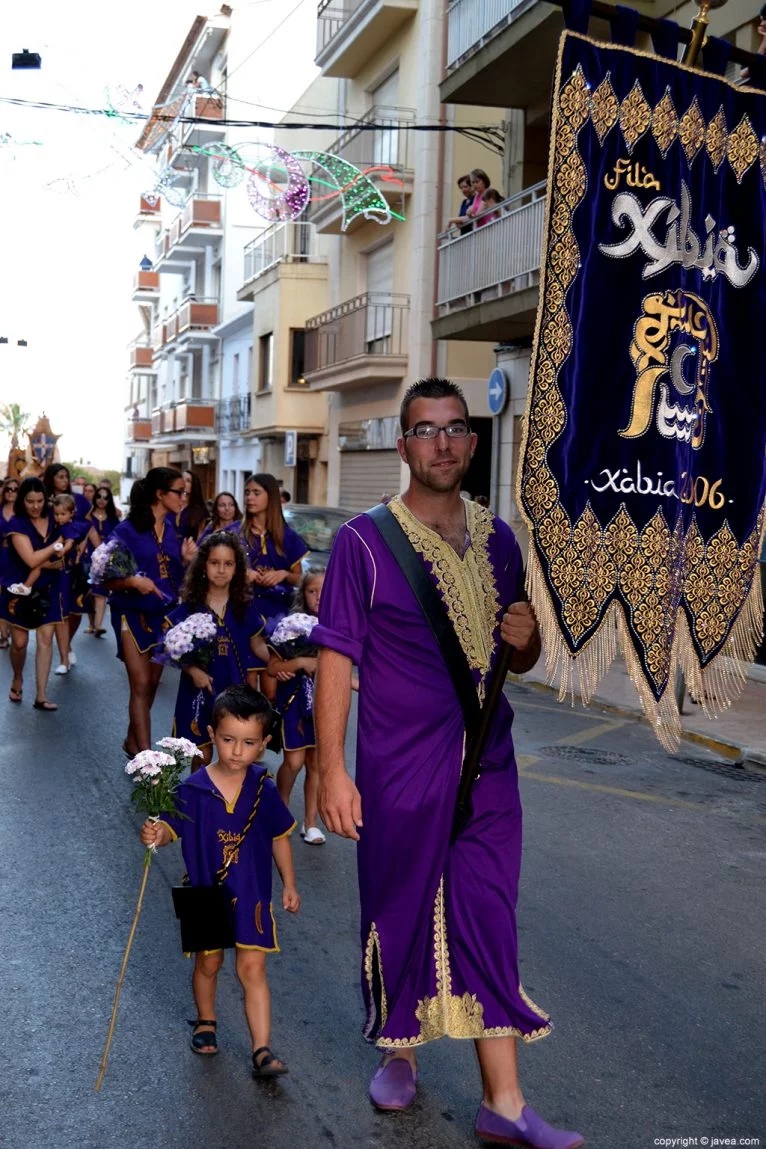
x=435 y=613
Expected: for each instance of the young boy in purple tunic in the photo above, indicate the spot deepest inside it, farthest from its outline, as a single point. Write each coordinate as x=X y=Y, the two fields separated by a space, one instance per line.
x=216 y=584
x=217 y=803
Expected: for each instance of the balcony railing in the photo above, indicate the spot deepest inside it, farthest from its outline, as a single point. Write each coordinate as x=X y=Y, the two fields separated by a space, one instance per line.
x=388 y=145
x=141 y=354
x=470 y=23
x=331 y=16
x=139 y=430
x=371 y=324
x=146 y=283
x=195 y=415
x=281 y=243
x=196 y=315
x=234 y=414
x=149 y=207
x=501 y=253
x=199 y=211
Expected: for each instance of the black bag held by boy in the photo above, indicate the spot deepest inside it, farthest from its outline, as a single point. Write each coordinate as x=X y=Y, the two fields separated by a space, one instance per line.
x=205 y=912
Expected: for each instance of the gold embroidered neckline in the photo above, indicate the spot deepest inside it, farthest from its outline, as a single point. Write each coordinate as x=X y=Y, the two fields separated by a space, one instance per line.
x=467 y=584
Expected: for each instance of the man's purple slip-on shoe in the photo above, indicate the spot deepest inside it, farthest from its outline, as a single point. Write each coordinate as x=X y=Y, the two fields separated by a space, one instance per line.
x=394 y=1086
x=529 y=1131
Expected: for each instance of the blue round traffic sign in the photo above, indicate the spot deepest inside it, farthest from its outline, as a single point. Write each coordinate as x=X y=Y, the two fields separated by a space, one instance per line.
x=497 y=391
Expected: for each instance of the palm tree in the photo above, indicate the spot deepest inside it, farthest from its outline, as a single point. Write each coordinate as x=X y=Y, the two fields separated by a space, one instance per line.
x=13 y=421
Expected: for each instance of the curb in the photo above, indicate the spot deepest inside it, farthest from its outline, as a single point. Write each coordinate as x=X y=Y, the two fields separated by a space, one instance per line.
x=751 y=758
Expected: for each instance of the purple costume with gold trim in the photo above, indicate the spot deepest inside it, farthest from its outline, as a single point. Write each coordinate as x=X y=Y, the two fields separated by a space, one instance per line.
x=104 y=529
x=210 y=832
x=273 y=602
x=50 y=584
x=439 y=939
x=232 y=659
x=143 y=615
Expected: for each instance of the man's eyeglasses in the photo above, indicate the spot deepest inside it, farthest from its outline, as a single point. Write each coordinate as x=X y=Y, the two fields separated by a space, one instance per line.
x=455 y=430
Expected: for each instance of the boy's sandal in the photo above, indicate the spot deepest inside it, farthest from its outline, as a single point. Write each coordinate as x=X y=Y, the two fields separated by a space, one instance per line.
x=201 y=1039
x=268 y=1065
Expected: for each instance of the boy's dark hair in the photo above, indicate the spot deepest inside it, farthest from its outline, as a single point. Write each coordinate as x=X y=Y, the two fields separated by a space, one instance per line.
x=242 y=702
x=429 y=389
x=466 y=179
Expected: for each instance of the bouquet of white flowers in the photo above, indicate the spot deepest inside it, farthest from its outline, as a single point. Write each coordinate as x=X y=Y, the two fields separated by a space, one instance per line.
x=190 y=643
x=291 y=637
x=111 y=560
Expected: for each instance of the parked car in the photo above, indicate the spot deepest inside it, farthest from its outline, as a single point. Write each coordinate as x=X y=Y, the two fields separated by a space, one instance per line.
x=318 y=527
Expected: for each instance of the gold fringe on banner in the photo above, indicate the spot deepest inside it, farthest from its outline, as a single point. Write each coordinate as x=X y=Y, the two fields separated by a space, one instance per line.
x=715 y=687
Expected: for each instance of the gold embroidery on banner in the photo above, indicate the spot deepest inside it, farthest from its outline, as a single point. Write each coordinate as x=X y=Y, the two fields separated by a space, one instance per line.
x=763 y=160
x=665 y=123
x=742 y=148
x=666 y=565
x=716 y=139
x=691 y=131
x=467 y=585
x=604 y=108
x=635 y=116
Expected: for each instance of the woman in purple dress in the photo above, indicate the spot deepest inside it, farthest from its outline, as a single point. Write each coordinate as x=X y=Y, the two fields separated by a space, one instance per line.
x=226 y=514
x=193 y=519
x=216 y=584
x=33 y=542
x=140 y=602
x=8 y=493
x=274 y=551
x=103 y=518
x=57 y=481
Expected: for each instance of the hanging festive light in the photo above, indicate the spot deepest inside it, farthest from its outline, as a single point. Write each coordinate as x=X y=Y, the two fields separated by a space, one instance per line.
x=288 y=204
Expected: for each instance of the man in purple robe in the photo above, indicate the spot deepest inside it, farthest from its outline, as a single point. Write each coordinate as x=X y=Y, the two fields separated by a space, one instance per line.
x=439 y=941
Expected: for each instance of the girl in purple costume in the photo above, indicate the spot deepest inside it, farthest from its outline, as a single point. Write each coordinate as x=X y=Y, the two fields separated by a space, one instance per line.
x=34 y=542
x=103 y=519
x=226 y=515
x=274 y=551
x=8 y=493
x=295 y=702
x=140 y=602
x=218 y=803
x=194 y=516
x=57 y=481
x=216 y=583
x=70 y=534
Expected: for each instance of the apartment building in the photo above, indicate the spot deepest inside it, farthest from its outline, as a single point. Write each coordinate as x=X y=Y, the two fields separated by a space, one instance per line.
x=488 y=279
x=373 y=336
x=207 y=369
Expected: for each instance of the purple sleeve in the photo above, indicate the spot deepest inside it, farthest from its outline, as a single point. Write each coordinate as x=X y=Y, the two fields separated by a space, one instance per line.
x=276 y=819
x=254 y=623
x=346 y=595
x=294 y=547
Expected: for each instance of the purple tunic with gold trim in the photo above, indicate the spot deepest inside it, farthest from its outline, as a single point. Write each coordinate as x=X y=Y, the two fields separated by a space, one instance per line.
x=232 y=659
x=159 y=558
x=211 y=832
x=104 y=528
x=262 y=554
x=439 y=940
x=50 y=583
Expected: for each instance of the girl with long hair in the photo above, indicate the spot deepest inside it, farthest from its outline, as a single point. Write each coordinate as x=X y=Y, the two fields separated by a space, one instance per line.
x=103 y=519
x=274 y=550
x=140 y=602
x=216 y=583
x=8 y=493
x=295 y=702
x=226 y=514
x=34 y=543
x=194 y=514
x=56 y=480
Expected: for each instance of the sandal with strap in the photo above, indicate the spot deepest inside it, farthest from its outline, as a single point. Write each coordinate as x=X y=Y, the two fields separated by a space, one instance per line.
x=268 y=1066
x=201 y=1039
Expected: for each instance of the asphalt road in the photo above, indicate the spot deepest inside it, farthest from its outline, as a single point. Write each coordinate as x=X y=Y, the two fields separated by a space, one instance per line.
x=641 y=932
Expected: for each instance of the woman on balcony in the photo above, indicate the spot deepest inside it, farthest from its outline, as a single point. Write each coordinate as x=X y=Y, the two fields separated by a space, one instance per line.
x=33 y=544
x=139 y=602
x=274 y=551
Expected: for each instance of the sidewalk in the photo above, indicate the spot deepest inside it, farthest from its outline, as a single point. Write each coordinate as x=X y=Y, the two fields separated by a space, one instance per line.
x=738 y=734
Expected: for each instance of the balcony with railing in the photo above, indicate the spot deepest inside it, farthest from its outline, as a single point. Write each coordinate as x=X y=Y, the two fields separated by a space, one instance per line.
x=381 y=145
x=234 y=414
x=149 y=210
x=350 y=31
x=184 y=419
x=146 y=286
x=494 y=46
x=488 y=277
x=197 y=316
x=139 y=430
x=294 y=243
x=141 y=355
x=198 y=225
x=208 y=112
x=362 y=341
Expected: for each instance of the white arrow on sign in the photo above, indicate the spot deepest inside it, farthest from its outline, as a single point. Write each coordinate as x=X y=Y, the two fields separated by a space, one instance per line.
x=495 y=390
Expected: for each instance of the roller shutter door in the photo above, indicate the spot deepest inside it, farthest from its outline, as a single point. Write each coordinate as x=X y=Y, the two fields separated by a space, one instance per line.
x=365 y=475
